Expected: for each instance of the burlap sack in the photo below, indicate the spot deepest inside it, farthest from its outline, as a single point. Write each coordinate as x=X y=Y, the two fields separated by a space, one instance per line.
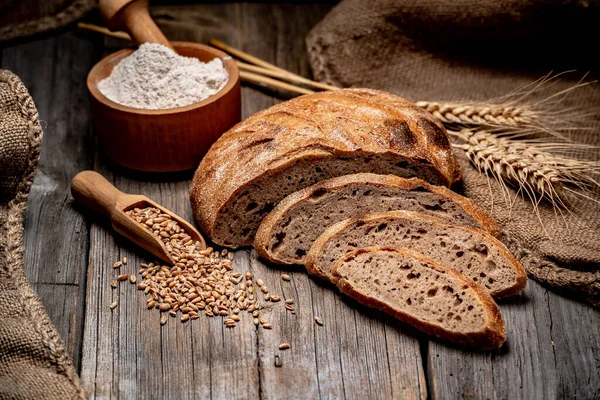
x=33 y=361
x=476 y=50
x=23 y=18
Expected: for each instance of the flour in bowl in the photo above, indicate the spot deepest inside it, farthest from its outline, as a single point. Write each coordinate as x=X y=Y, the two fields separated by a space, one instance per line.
x=154 y=77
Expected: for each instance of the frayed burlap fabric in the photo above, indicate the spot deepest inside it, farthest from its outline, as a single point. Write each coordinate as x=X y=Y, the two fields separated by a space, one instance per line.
x=33 y=361
x=438 y=50
x=23 y=18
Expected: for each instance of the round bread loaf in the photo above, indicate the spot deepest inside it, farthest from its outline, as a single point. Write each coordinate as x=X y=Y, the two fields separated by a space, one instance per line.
x=297 y=143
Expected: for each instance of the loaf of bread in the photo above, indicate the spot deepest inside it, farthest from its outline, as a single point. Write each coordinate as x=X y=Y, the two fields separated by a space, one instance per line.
x=287 y=233
x=428 y=295
x=297 y=143
x=471 y=251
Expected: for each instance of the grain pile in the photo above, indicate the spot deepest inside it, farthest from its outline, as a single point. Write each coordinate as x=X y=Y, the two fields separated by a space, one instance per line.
x=202 y=280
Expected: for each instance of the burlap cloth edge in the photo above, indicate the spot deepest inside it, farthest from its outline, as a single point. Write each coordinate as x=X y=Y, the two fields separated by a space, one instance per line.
x=71 y=13
x=14 y=266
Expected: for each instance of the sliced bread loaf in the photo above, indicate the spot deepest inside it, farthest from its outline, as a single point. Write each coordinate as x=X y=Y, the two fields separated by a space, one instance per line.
x=471 y=251
x=430 y=296
x=300 y=142
x=287 y=233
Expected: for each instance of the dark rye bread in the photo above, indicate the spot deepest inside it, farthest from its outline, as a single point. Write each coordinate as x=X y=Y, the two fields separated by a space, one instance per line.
x=287 y=233
x=430 y=296
x=471 y=251
x=300 y=142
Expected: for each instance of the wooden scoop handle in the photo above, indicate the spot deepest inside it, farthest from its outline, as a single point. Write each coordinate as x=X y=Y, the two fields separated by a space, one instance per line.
x=133 y=17
x=93 y=190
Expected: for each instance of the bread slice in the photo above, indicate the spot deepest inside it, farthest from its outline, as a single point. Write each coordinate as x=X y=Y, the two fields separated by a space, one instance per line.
x=471 y=251
x=430 y=296
x=300 y=142
x=287 y=233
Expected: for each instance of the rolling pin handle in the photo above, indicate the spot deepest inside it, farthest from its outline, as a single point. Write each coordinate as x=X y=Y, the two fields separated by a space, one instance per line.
x=133 y=17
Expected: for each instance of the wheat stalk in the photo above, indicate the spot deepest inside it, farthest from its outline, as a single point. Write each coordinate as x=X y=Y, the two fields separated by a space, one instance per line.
x=529 y=166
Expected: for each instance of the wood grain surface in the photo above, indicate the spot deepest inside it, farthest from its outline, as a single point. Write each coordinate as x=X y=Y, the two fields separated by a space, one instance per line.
x=553 y=347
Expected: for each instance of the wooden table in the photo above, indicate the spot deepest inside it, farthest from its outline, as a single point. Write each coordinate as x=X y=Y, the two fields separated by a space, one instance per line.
x=553 y=347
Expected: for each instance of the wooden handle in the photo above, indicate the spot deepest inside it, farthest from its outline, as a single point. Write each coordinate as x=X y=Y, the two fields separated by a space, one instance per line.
x=133 y=17
x=93 y=191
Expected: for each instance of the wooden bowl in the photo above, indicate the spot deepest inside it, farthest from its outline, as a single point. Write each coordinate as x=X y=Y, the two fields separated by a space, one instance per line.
x=164 y=140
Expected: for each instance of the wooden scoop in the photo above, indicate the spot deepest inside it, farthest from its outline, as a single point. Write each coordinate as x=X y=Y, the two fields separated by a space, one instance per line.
x=94 y=191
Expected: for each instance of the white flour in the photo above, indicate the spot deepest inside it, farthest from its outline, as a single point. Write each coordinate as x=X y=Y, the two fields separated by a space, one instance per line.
x=154 y=77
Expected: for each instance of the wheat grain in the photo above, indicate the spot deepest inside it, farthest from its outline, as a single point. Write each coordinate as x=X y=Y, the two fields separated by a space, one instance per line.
x=291 y=308
x=201 y=279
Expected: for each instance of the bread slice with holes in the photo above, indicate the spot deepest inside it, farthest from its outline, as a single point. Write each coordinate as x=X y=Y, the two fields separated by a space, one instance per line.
x=471 y=251
x=287 y=233
x=430 y=296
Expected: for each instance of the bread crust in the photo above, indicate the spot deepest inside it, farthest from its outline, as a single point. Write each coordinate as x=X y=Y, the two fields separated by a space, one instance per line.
x=491 y=338
x=325 y=124
x=319 y=244
x=270 y=222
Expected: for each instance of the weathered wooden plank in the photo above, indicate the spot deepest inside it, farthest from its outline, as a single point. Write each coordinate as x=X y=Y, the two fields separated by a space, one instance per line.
x=575 y=335
x=56 y=236
x=551 y=352
x=288 y=373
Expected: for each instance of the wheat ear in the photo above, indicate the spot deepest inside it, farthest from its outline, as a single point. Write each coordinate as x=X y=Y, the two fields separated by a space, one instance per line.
x=530 y=167
x=480 y=114
x=515 y=114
